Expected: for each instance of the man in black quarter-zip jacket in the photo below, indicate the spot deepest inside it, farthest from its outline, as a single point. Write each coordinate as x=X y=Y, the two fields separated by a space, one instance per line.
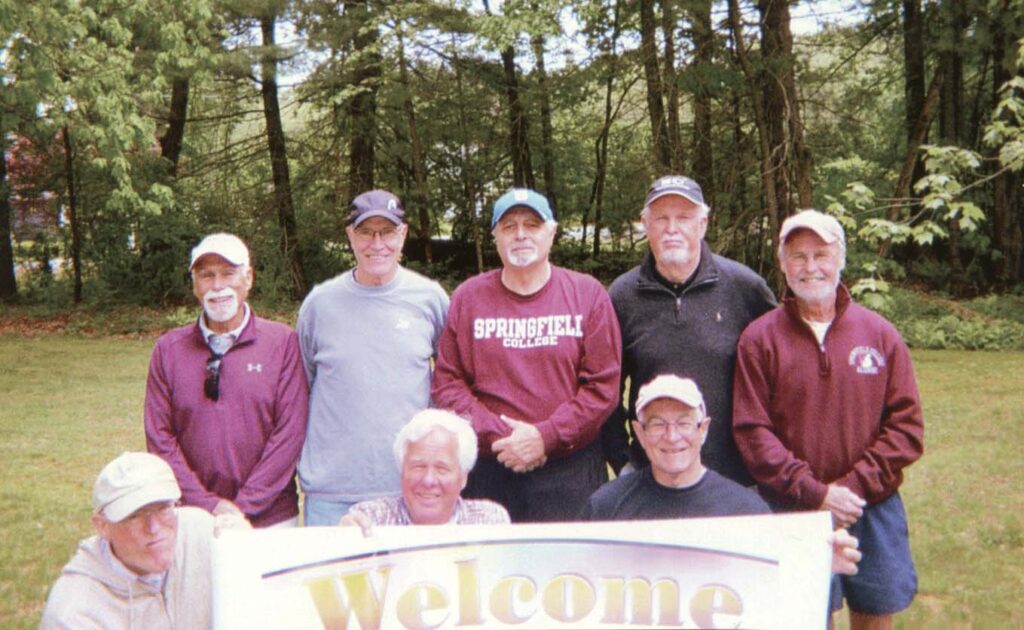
x=682 y=311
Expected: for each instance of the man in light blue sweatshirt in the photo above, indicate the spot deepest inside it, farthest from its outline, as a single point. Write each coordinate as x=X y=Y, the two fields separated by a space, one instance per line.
x=368 y=337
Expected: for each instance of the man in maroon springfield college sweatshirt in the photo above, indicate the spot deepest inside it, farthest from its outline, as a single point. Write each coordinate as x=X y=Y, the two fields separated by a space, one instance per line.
x=530 y=355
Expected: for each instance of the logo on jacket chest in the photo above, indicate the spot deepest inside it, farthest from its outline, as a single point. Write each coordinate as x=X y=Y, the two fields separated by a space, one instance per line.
x=866 y=360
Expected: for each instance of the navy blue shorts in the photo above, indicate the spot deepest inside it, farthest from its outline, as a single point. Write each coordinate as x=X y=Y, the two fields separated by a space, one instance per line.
x=886 y=581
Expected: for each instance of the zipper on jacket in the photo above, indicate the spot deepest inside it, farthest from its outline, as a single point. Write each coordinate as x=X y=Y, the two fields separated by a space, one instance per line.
x=824 y=365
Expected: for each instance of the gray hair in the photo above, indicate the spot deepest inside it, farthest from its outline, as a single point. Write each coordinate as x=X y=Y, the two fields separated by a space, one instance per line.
x=429 y=419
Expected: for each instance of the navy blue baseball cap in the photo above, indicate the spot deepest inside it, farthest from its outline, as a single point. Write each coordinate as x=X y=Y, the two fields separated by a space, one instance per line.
x=675 y=185
x=376 y=203
x=522 y=197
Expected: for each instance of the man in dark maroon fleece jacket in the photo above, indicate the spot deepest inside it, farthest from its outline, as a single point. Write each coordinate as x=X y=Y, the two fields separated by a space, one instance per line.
x=826 y=414
x=227 y=397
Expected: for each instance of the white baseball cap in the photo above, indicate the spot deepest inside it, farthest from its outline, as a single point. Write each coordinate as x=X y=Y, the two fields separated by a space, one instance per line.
x=824 y=225
x=670 y=386
x=132 y=481
x=227 y=246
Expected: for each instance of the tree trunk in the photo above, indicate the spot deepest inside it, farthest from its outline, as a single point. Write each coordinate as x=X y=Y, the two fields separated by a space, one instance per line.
x=911 y=159
x=914 y=85
x=289 y=241
x=609 y=57
x=76 y=229
x=768 y=179
x=600 y=174
x=171 y=142
x=675 y=142
x=468 y=172
x=8 y=281
x=421 y=201
x=362 y=108
x=601 y=145
x=951 y=117
x=776 y=49
x=703 y=41
x=802 y=159
x=547 y=134
x=519 y=131
x=655 y=97
x=1006 y=228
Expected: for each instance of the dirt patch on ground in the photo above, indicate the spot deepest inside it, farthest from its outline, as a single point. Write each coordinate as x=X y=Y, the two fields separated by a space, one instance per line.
x=141 y=324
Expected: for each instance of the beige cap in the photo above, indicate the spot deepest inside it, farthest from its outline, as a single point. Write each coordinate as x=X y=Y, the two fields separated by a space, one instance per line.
x=824 y=225
x=683 y=390
x=227 y=246
x=132 y=481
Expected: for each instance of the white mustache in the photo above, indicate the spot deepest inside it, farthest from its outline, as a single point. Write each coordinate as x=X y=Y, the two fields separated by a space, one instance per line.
x=213 y=295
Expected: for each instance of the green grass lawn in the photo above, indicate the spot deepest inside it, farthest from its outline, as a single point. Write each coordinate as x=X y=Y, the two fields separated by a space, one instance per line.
x=68 y=405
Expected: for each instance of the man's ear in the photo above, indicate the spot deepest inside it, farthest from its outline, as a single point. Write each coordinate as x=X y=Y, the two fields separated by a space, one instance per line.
x=638 y=432
x=100 y=524
x=704 y=430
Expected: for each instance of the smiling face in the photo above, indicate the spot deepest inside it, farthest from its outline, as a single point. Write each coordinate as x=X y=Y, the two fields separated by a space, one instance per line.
x=432 y=477
x=222 y=289
x=144 y=542
x=377 y=244
x=523 y=238
x=812 y=267
x=671 y=436
x=675 y=227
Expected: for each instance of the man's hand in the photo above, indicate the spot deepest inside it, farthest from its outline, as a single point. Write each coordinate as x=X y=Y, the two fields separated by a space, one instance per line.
x=229 y=521
x=845 y=555
x=227 y=507
x=523 y=450
x=358 y=519
x=844 y=504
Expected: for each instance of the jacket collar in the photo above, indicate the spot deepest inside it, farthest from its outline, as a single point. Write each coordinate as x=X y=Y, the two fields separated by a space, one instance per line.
x=248 y=335
x=843 y=301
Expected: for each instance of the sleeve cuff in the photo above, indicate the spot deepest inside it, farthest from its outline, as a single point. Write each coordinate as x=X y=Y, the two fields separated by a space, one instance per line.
x=548 y=435
x=816 y=495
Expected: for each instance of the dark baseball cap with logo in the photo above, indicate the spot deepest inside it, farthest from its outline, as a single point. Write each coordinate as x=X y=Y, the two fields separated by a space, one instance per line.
x=376 y=203
x=675 y=185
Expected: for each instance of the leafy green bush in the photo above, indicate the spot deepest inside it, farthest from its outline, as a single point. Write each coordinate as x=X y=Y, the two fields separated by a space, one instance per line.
x=928 y=321
x=1000 y=306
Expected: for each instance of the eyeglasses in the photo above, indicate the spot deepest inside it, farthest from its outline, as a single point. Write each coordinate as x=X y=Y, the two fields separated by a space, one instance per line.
x=657 y=427
x=212 y=384
x=162 y=512
x=367 y=235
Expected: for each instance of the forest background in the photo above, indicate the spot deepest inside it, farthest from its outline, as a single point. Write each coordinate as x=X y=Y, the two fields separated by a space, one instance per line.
x=130 y=129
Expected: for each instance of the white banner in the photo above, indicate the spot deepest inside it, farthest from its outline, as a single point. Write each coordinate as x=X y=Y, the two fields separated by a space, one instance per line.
x=750 y=572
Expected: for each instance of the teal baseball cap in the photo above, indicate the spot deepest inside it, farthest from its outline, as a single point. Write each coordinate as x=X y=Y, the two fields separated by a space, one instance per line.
x=525 y=198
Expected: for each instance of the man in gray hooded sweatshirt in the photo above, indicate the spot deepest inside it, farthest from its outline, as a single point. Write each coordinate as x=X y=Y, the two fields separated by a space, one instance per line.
x=148 y=566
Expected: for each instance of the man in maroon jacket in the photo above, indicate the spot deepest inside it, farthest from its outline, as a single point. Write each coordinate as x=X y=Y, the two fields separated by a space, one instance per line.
x=530 y=354
x=827 y=414
x=227 y=397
